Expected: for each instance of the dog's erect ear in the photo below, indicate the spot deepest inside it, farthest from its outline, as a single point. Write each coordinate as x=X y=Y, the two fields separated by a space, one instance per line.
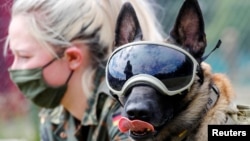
x=127 y=27
x=188 y=30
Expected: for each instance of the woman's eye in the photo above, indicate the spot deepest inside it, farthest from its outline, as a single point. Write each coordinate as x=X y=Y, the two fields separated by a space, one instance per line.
x=24 y=57
x=21 y=56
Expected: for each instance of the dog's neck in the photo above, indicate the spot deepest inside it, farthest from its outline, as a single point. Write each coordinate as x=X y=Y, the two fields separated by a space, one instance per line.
x=213 y=98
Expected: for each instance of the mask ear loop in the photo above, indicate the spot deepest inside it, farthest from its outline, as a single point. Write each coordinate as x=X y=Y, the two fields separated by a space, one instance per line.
x=50 y=62
x=71 y=73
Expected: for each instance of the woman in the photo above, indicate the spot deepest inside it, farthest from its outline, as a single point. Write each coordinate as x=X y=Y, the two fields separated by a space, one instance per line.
x=60 y=48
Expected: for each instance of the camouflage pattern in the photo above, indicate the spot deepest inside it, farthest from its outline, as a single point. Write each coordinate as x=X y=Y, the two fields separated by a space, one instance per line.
x=97 y=123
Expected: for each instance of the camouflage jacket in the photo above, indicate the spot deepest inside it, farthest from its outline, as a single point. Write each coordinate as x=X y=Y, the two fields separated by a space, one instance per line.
x=99 y=122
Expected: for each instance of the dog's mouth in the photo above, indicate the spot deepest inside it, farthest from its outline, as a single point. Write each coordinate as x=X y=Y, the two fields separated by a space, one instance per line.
x=138 y=129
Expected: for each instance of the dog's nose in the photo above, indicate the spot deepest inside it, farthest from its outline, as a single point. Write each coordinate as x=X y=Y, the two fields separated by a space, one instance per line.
x=138 y=111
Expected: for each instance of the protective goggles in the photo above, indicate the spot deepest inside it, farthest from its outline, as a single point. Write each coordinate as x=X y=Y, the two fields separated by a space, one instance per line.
x=168 y=68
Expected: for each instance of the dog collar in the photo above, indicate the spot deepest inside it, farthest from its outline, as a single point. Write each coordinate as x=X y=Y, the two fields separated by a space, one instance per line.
x=214 y=96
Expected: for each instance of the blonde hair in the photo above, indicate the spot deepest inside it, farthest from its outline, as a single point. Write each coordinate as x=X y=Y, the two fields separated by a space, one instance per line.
x=58 y=22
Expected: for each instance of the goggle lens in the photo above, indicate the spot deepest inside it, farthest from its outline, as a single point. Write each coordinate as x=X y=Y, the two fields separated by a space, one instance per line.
x=172 y=66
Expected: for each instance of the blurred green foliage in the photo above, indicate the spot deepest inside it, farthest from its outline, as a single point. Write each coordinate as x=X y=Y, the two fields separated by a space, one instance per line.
x=227 y=20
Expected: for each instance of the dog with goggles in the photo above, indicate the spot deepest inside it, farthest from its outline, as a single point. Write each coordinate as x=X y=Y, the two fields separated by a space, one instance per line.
x=167 y=91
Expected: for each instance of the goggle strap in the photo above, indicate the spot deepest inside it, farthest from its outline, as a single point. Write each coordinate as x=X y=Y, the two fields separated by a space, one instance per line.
x=200 y=74
x=217 y=46
x=185 y=91
x=116 y=98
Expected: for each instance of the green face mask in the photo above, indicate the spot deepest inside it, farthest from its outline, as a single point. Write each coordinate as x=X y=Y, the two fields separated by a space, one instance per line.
x=32 y=84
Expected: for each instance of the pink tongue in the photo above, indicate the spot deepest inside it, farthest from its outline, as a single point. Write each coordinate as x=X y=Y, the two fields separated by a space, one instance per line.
x=135 y=125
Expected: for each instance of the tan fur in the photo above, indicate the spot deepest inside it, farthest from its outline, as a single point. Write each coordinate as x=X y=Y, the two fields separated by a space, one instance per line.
x=188 y=121
x=224 y=105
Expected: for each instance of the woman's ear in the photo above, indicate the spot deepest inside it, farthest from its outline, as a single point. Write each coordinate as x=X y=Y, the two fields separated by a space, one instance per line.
x=74 y=57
